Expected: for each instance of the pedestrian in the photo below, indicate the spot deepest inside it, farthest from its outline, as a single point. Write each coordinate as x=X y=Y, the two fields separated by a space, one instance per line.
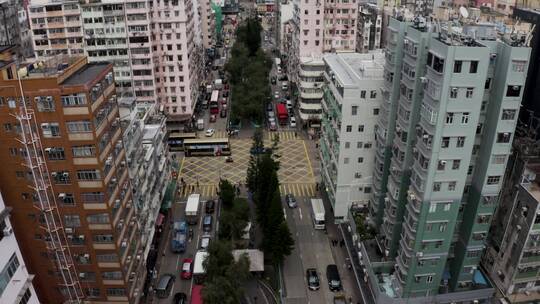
x=342 y=243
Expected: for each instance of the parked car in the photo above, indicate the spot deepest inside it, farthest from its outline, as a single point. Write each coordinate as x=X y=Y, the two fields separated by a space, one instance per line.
x=225 y=94
x=332 y=275
x=271 y=114
x=209 y=206
x=205 y=242
x=276 y=95
x=293 y=122
x=180 y=298
x=269 y=107
x=312 y=279
x=291 y=200
x=207 y=223
x=273 y=126
x=212 y=118
x=209 y=132
x=271 y=120
x=187 y=265
x=165 y=285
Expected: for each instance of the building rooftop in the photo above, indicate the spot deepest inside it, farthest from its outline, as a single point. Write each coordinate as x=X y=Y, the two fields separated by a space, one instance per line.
x=86 y=74
x=350 y=68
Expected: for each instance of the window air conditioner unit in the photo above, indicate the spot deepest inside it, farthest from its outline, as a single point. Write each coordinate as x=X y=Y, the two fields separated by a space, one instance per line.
x=37 y=99
x=65 y=174
x=423 y=79
x=443 y=162
x=81 y=237
x=425 y=136
x=86 y=256
x=114 y=180
x=62 y=196
x=54 y=174
x=117 y=201
x=49 y=98
x=48 y=150
x=124 y=244
x=69 y=230
x=8 y=231
x=515 y=87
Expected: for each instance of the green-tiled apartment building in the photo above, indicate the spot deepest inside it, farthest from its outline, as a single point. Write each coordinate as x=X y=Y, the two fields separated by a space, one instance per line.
x=451 y=100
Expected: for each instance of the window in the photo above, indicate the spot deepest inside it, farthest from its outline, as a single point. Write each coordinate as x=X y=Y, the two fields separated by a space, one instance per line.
x=487 y=85
x=92 y=292
x=347 y=145
x=367 y=189
x=79 y=126
x=8 y=272
x=100 y=218
x=498 y=159
x=367 y=145
x=453 y=92
x=519 y=66
x=26 y=297
x=362 y=94
x=13 y=151
x=375 y=111
x=449 y=118
x=360 y=160
x=55 y=153
x=354 y=110
x=111 y=275
x=7 y=127
x=346 y=160
x=72 y=220
x=50 y=129
x=432 y=208
x=455 y=164
x=447 y=206
x=452 y=186
x=460 y=141
x=106 y=258
x=45 y=104
x=349 y=128
x=470 y=92
x=441 y=165
x=493 y=179
x=359 y=145
x=60 y=177
x=103 y=238
x=503 y=137
x=88 y=175
x=473 y=68
x=465 y=118
x=429 y=226
x=429 y=279
x=117 y=292
x=442 y=227
x=92 y=197
x=436 y=187
x=360 y=128
x=513 y=91
x=373 y=94
x=83 y=151
x=479 y=128
x=445 y=143
x=508 y=114
x=457 y=66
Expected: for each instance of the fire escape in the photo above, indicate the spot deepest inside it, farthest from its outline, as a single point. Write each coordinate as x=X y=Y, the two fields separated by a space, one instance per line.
x=50 y=220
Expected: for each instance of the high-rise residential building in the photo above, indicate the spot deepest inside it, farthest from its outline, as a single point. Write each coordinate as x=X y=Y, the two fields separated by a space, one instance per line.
x=14 y=27
x=351 y=106
x=449 y=114
x=318 y=27
x=15 y=282
x=370 y=25
x=66 y=177
x=156 y=55
x=208 y=23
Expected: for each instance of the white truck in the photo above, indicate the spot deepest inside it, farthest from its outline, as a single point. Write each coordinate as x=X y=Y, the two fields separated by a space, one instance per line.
x=200 y=124
x=192 y=208
x=218 y=84
x=318 y=214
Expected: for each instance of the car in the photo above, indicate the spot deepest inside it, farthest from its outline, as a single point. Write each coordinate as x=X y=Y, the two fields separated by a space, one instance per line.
x=210 y=206
x=223 y=113
x=187 y=265
x=209 y=132
x=332 y=276
x=223 y=101
x=312 y=279
x=212 y=118
x=271 y=114
x=273 y=126
x=165 y=285
x=225 y=94
x=292 y=122
x=205 y=242
x=269 y=107
x=180 y=298
x=276 y=95
x=271 y=120
x=273 y=80
x=291 y=200
x=207 y=223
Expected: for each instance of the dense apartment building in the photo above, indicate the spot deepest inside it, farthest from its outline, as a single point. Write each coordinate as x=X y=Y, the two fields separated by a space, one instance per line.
x=67 y=180
x=447 y=122
x=208 y=23
x=317 y=27
x=156 y=56
x=351 y=106
x=15 y=282
x=369 y=31
x=14 y=27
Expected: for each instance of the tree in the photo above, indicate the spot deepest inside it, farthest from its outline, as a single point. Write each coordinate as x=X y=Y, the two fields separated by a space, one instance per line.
x=226 y=193
x=254 y=160
x=234 y=221
x=283 y=243
x=253 y=35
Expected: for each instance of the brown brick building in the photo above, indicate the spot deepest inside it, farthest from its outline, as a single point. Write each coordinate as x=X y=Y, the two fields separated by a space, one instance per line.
x=85 y=176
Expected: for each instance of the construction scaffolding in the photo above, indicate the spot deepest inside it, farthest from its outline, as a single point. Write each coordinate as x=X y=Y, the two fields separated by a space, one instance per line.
x=45 y=202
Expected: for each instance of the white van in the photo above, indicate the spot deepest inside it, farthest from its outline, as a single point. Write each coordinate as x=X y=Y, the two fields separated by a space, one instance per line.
x=285 y=86
x=289 y=105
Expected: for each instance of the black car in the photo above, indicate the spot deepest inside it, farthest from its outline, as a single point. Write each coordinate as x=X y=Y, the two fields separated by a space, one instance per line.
x=291 y=201
x=332 y=275
x=207 y=223
x=259 y=150
x=180 y=298
x=210 y=206
x=269 y=107
x=312 y=279
x=225 y=94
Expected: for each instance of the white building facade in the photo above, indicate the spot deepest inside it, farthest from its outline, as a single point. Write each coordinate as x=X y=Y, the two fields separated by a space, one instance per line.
x=351 y=106
x=15 y=282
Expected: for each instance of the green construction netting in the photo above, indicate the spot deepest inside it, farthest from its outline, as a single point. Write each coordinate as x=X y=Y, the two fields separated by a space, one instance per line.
x=218 y=15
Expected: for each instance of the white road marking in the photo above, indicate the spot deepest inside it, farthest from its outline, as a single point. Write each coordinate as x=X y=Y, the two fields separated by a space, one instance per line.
x=177 y=261
x=300 y=212
x=284 y=213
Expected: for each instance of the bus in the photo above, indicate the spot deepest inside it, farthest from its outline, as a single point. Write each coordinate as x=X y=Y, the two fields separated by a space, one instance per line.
x=214 y=102
x=317 y=213
x=176 y=140
x=207 y=147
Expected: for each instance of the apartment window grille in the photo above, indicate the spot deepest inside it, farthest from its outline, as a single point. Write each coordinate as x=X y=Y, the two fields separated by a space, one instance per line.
x=45 y=103
x=87 y=276
x=61 y=177
x=373 y=94
x=436 y=187
x=349 y=128
x=111 y=275
x=360 y=128
x=493 y=179
x=460 y=141
x=93 y=197
x=50 y=129
x=8 y=272
x=465 y=118
x=82 y=126
x=445 y=143
x=473 y=68
x=72 y=220
x=469 y=93
x=67 y=199
x=498 y=159
x=508 y=114
x=452 y=186
x=457 y=66
x=88 y=175
x=513 y=91
x=107 y=258
x=363 y=94
x=453 y=92
x=103 y=238
x=116 y=292
x=99 y=218
x=354 y=110
x=449 y=118
x=519 y=66
x=503 y=137
x=26 y=296
x=55 y=153
x=83 y=151
x=92 y=292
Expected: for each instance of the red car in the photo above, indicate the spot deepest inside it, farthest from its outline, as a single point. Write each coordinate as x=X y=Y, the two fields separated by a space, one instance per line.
x=187 y=265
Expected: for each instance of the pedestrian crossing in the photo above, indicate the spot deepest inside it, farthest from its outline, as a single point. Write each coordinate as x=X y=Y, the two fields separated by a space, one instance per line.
x=283 y=135
x=206 y=191
x=299 y=189
x=217 y=134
